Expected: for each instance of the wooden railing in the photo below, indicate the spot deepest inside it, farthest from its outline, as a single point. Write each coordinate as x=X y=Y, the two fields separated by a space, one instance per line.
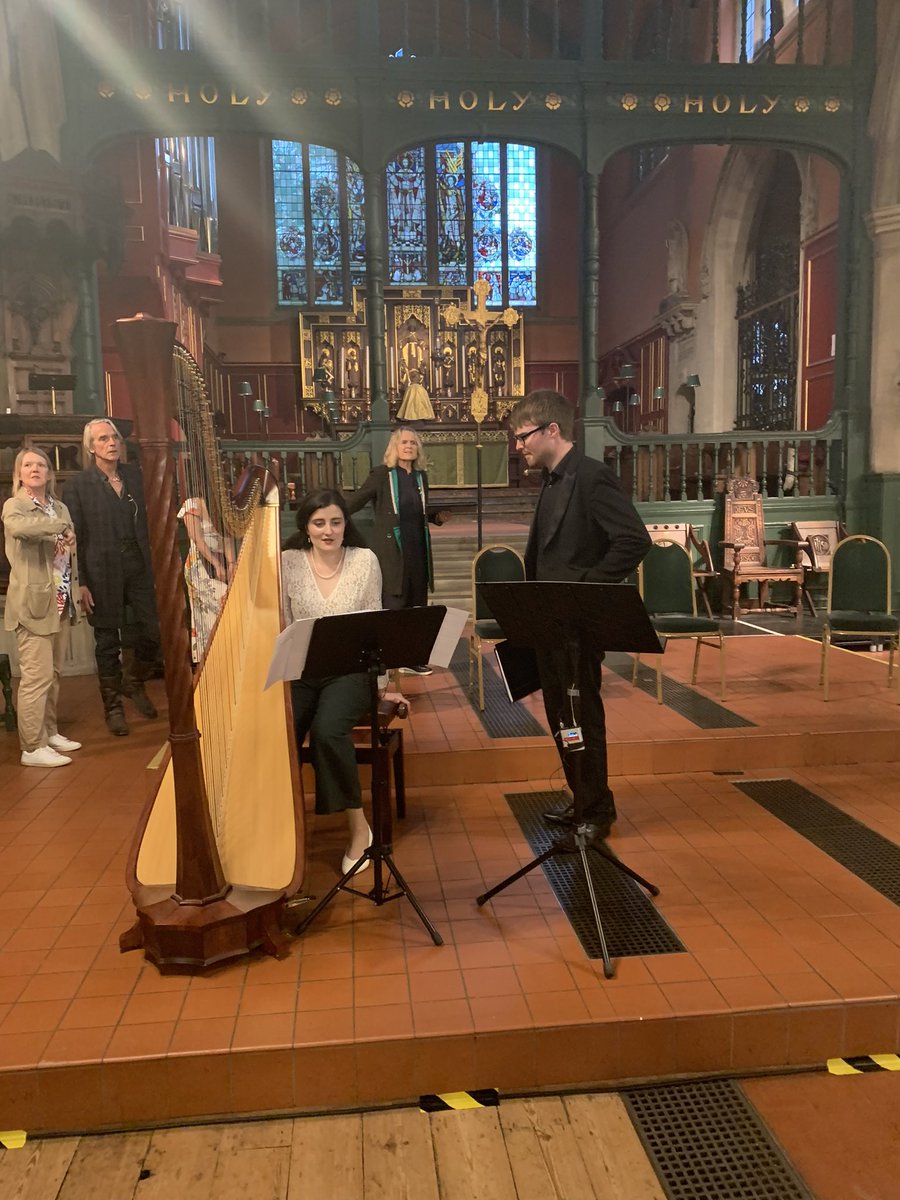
x=683 y=467
x=301 y=466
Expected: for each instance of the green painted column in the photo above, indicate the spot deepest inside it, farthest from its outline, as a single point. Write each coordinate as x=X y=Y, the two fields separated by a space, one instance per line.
x=90 y=394
x=590 y=284
x=376 y=241
x=593 y=422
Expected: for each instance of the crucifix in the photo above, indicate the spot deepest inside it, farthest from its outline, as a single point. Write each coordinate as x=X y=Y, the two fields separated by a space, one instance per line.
x=481 y=321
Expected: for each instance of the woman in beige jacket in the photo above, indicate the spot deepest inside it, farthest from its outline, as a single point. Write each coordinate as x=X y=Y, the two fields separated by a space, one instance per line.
x=41 y=602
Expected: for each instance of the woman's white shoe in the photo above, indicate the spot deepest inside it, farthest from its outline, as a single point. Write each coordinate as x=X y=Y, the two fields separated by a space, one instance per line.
x=44 y=756
x=347 y=862
x=62 y=744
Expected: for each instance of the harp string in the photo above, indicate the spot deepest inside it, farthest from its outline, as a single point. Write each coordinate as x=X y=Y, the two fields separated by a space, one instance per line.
x=216 y=529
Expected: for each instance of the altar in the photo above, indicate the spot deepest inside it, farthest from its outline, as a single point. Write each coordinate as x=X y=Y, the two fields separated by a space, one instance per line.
x=464 y=365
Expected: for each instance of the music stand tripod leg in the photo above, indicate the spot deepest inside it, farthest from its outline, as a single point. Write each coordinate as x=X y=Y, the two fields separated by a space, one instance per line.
x=535 y=862
x=380 y=852
x=605 y=852
x=407 y=892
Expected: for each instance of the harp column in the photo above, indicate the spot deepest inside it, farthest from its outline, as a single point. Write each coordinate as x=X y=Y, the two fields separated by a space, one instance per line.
x=146 y=345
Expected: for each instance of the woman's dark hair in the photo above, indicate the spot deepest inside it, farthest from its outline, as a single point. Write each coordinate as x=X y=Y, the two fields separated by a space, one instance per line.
x=311 y=503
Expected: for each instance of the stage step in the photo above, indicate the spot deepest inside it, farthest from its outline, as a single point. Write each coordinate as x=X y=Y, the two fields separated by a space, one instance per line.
x=453 y=553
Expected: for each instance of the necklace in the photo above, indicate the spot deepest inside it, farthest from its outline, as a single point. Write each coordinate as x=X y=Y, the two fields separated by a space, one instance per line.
x=331 y=575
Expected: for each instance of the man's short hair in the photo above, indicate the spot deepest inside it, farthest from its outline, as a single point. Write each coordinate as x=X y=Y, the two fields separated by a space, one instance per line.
x=543 y=406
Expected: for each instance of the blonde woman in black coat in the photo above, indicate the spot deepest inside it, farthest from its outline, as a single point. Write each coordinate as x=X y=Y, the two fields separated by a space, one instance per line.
x=398 y=491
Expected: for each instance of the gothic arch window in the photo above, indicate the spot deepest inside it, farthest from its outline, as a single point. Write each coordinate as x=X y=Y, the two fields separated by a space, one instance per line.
x=320 y=245
x=465 y=210
x=768 y=307
x=172 y=25
x=456 y=212
x=762 y=20
x=656 y=42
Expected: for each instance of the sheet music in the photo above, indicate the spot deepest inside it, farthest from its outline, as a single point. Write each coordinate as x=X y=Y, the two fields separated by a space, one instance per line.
x=292 y=644
x=448 y=637
x=289 y=652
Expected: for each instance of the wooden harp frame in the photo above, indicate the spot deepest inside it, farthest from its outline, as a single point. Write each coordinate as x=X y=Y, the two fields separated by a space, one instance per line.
x=190 y=915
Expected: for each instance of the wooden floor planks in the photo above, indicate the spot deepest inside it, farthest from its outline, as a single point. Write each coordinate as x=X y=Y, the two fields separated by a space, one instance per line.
x=545 y=1148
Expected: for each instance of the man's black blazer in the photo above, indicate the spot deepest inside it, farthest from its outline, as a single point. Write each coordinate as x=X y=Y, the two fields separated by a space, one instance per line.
x=599 y=536
x=93 y=503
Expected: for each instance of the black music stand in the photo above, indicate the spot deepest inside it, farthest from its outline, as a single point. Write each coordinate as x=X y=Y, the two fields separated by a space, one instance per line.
x=604 y=616
x=374 y=642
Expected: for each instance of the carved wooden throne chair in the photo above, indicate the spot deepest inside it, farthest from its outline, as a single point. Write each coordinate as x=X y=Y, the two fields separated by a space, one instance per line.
x=746 y=549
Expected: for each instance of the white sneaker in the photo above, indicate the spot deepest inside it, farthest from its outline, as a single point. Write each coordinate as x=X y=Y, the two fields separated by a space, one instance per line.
x=44 y=756
x=58 y=742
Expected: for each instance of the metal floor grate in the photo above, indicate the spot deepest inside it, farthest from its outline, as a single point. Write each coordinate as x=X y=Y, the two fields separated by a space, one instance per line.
x=707 y=1142
x=631 y=923
x=500 y=718
x=872 y=858
x=686 y=701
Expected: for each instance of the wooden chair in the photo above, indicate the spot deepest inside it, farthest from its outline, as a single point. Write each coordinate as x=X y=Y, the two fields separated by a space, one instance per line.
x=698 y=548
x=665 y=581
x=745 y=545
x=492 y=564
x=389 y=753
x=859 y=599
x=817 y=540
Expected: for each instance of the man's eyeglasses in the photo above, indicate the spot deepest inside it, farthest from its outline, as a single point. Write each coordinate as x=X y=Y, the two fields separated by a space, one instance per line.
x=521 y=438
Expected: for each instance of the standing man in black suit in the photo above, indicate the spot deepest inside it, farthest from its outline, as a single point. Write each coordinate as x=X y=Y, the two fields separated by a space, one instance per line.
x=584 y=530
x=109 y=512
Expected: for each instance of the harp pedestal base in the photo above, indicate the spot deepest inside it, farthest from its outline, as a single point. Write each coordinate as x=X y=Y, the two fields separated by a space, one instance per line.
x=187 y=939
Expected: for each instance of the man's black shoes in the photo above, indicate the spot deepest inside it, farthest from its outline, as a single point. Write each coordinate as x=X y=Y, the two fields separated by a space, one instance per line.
x=594 y=836
x=561 y=816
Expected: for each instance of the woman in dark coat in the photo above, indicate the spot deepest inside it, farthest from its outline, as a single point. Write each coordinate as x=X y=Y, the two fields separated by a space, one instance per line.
x=398 y=490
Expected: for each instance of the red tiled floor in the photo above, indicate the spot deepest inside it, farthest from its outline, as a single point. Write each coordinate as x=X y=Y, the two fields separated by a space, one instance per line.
x=789 y=958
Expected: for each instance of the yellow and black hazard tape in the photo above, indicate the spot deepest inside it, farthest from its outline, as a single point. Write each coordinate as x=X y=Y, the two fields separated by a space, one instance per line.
x=480 y=1098
x=862 y=1064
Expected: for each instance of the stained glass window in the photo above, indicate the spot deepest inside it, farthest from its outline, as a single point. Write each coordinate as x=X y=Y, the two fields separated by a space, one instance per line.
x=456 y=212
x=406 y=215
x=487 y=217
x=452 y=243
x=521 y=217
x=320 y=242
x=325 y=226
x=290 y=222
x=356 y=224
x=478 y=221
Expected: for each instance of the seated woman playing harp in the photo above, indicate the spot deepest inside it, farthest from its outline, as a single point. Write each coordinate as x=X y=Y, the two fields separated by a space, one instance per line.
x=326 y=571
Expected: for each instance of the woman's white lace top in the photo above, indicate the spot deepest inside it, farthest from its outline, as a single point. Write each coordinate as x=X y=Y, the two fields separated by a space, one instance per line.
x=358 y=589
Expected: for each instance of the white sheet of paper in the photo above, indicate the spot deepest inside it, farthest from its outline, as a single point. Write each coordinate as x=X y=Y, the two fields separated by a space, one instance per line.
x=292 y=644
x=448 y=637
x=289 y=652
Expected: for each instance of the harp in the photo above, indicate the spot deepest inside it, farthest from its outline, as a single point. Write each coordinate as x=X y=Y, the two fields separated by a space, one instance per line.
x=219 y=847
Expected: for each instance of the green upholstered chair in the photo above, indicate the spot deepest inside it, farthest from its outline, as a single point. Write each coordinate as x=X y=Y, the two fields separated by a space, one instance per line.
x=492 y=564
x=859 y=599
x=666 y=584
x=818 y=540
